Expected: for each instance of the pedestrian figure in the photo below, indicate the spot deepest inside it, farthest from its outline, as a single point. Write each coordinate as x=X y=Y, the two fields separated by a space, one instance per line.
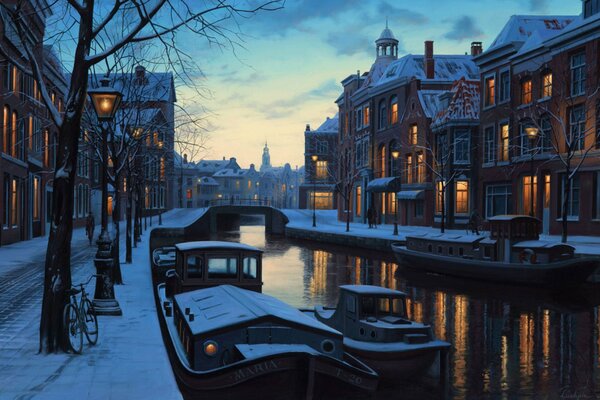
x=375 y=216
x=474 y=222
x=370 y=216
x=90 y=224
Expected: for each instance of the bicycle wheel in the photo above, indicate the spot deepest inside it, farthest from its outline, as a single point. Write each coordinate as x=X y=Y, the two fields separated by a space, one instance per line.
x=90 y=321
x=72 y=329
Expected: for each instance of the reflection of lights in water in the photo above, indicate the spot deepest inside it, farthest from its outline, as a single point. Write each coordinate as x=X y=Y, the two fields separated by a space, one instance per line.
x=388 y=271
x=461 y=328
x=526 y=330
x=357 y=270
x=546 y=337
x=439 y=328
x=318 y=281
x=504 y=362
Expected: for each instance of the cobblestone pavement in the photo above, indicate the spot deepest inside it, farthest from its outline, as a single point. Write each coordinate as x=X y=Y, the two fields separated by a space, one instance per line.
x=21 y=290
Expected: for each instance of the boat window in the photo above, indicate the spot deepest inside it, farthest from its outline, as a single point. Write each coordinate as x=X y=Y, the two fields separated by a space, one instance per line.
x=461 y=251
x=351 y=304
x=250 y=268
x=398 y=307
x=430 y=248
x=194 y=267
x=222 y=268
x=451 y=250
x=384 y=306
x=368 y=306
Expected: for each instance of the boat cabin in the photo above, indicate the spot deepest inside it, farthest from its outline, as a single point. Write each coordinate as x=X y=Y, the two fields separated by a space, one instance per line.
x=446 y=244
x=205 y=264
x=505 y=232
x=225 y=324
x=374 y=314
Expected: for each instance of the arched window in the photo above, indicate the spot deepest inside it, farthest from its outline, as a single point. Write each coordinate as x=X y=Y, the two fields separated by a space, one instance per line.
x=394 y=109
x=393 y=163
x=382 y=165
x=6 y=130
x=382 y=114
x=13 y=134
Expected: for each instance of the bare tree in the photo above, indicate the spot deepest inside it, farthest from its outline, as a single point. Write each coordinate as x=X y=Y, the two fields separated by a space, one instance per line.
x=343 y=174
x=86 y=24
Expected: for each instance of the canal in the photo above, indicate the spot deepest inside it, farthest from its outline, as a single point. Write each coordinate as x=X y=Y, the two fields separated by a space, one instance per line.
x=506 y=343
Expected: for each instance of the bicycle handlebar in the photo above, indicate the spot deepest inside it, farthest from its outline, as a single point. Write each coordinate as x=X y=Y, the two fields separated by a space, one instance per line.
x=88 y=281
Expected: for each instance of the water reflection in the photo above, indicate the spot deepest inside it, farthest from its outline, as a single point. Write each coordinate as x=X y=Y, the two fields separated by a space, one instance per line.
x=506 y=342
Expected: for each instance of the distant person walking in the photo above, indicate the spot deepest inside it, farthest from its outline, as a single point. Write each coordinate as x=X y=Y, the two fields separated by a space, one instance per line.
x=370 y=216
x=375 y=216
x=90 y=224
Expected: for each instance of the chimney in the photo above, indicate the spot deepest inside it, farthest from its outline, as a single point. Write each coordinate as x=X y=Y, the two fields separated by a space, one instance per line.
x=476 y=48
x=307 y=127
x=223 y=158
x=140 y=72
x=185 y=161
x=429 y=62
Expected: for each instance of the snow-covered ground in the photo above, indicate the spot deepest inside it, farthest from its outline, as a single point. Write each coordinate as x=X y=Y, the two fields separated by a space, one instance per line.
x=327 y=222
x=129 y=361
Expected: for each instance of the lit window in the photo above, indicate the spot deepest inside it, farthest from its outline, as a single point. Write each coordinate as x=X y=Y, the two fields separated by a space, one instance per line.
x=462 y=197
x=490 y=91
x=547 y=84
x=504 y=139
x=367 y=116
x=439 y=197
x=527 y=191
x=409 y=169
x=394 y=107
x=420 y=168
x=413 y=139
x=321 y=172
x=526 y=97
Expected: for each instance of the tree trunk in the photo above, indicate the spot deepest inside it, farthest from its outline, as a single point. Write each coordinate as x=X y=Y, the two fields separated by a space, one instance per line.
x=347 y=212
x=128 y=250
x=116 y=217
x=565 y=203
x=443 y=224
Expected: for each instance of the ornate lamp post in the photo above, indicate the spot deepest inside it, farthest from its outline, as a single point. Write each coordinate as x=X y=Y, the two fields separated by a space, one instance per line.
x=106 y=101
x=395 y=155
x=532 y=134
x=314 y=158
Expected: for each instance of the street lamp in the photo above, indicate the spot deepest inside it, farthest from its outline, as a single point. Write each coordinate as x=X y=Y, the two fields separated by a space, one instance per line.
x=395 y=155
x=106 y=101
x=532 y=133
x=314 y=158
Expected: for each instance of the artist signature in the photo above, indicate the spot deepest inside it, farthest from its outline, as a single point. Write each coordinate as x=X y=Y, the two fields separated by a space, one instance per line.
x=576 y=393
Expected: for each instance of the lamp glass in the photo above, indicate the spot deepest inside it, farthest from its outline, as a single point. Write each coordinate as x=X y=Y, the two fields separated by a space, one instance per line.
x=395 y=153
x=531 y=132
x=314 y=157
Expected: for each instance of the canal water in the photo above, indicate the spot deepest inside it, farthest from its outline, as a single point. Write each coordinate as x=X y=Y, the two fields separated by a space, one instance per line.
x=506 y=343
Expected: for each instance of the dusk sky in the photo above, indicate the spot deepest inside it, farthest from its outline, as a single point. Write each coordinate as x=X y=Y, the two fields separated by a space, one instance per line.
x=288 y=73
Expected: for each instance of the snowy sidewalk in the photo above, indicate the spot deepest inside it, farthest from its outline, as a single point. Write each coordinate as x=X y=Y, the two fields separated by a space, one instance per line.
x=129 y=361
x=327 y=223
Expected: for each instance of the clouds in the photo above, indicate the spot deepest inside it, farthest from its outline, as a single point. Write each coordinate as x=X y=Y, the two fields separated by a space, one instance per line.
x=327 y=90
x=538 y=5
x=463 y=28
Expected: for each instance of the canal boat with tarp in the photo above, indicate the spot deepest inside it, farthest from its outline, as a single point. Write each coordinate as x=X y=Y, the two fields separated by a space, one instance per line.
x=513 y=253
x=377 y=331
x=226 y=340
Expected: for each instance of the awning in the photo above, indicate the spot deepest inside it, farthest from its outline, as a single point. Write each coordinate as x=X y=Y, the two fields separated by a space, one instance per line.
x=410 y=195
x=384 y=185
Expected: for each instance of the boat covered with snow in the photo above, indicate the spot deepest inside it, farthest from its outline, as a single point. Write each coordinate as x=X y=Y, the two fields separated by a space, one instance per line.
x=513 y=253
x=377 y=331
x=227 y=340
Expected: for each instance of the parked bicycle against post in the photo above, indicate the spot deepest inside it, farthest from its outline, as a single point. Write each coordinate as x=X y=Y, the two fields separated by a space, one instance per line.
x=79 y=317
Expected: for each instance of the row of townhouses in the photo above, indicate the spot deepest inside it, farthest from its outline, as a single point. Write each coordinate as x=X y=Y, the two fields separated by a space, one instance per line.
x=215 y=182
x=514 y=129
x=28 y=136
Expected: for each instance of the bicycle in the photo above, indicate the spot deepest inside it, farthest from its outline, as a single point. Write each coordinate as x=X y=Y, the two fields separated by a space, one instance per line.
x=79 y=318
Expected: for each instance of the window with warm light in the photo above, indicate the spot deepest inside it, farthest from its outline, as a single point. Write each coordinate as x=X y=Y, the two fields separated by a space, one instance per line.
x=322 y=200
x=14 y=202
x=367 y=116
x=504 y=142
x=490 y=91
x=409 y=169
x=462 y=197
x=547 y=84
x=36 y=198
x=382 y=159
x=526 y=96
x=394 y=109
x=6 y=130
x=439 y=196
x=321 y=172
x=420 y=168
x=13 y=134
x=358 y=210
x=527 y=190
x=413 y=134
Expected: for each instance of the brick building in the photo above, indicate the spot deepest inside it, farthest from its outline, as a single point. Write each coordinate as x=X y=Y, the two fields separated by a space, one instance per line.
x=541 y=77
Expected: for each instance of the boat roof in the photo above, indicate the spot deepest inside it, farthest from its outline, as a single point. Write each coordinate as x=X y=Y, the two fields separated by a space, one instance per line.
x=371 y=289
x=225 y=306
x=214 y=245
x=540 y=244
x=511 y=218
x=448 y=237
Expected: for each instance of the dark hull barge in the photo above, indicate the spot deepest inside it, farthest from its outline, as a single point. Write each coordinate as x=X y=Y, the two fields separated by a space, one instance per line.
x=512 y=254
x=228 y=341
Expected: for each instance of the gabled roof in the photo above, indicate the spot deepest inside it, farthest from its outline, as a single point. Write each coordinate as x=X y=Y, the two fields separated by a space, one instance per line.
x=520 y=28
x=211 y=166
x=464 y=105
x=431 y=102
x=207 y=181
x=330 y=125
x=447 y=68
x=231 y=173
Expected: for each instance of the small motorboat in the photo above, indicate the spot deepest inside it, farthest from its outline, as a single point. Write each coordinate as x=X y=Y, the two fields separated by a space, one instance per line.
x=226 y=340
x=511 y=254
x=377 y=331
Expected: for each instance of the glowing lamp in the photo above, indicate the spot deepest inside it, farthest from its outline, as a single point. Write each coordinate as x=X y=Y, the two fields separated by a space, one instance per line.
x=314 y=157
x=210 y=348
x=395 y=153
x=531 y=132
x=105 y=99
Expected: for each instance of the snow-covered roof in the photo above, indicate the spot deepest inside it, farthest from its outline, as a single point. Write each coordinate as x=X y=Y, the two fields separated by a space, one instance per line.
x=371 y=289
x=214 y=245
x=230 y=173
x=330 y=125
x=464 y=105
x=431 y=102
x=208 y=181
x=226 y=306
x=382 y=185
x=448 y=237
x=387 y=34
x=155 y=86
x=520 y=28
x=211 y=166
x=540 y=244
x=447 y=68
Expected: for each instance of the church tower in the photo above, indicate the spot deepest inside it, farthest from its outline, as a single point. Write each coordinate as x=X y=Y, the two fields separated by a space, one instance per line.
x=266 y=159
x=387 y=44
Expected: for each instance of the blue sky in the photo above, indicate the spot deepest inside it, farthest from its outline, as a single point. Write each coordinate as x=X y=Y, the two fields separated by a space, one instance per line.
x=287 y=74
